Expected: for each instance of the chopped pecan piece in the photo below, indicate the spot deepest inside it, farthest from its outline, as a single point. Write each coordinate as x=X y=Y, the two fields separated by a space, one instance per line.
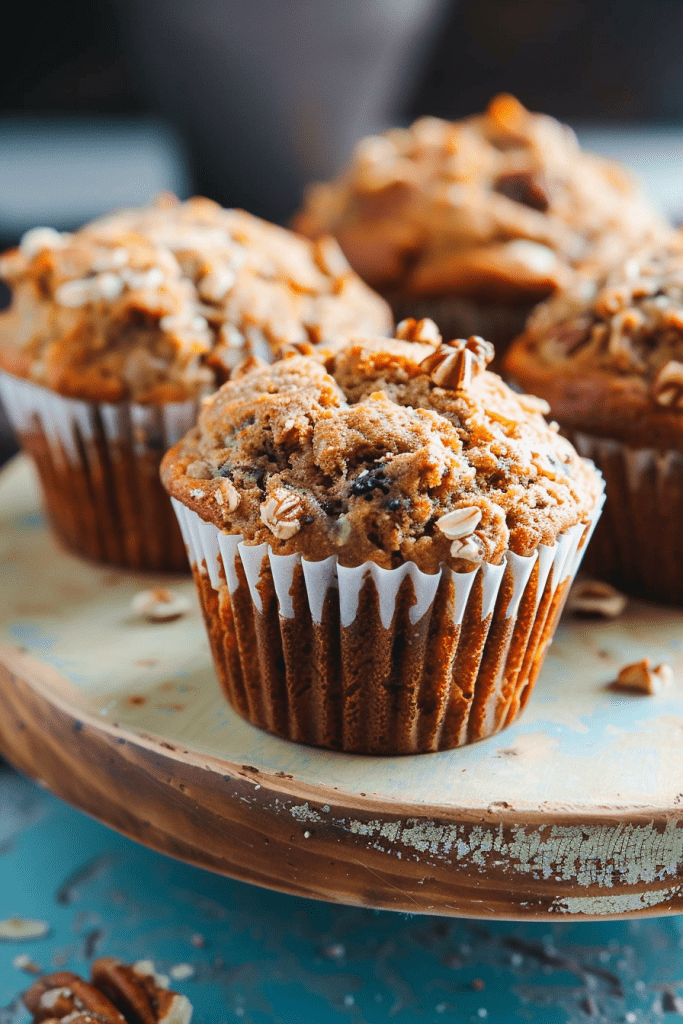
x=667 y=386
x=527 y=187
x=424 y=330
x=455 y=363
x=640 y=678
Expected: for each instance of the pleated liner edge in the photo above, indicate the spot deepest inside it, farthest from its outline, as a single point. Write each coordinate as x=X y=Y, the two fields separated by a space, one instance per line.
x=372 y=660
x=98 y=465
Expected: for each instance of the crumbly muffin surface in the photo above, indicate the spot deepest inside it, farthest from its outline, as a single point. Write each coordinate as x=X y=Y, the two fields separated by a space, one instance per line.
x=608 y=355
x=404 y=450
x=160 y=303
x=500 y=207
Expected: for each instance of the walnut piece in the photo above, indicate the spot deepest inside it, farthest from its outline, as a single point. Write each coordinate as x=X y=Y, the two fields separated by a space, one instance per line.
x=282 y=512
x=116 y=994
x=667 y=386
x=640 y=678
x=593 y=597
x=160 y=605
x=455 y=363
x=425 y=331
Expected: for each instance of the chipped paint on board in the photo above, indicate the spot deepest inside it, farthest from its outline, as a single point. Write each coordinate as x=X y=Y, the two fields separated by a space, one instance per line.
x=592 y=855
x=616 y=904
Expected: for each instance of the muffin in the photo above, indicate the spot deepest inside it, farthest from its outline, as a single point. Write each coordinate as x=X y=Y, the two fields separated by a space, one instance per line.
x=382 y=545
x=117 y=331
x=608 y=358
x=474 y=222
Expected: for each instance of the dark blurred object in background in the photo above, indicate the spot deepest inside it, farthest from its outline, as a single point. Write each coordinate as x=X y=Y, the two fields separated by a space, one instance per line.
x=610 y=60
x=268 y=95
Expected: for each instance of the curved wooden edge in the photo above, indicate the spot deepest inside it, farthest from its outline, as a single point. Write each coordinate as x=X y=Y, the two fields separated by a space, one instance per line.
x=316 y=842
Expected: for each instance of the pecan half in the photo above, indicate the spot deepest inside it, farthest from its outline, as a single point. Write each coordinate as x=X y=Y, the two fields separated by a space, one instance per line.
x=455 y=363
x=140 y=994
x=63 y=994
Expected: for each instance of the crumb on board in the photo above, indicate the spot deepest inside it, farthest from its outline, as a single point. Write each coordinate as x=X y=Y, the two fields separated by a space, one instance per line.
x=16 y=929
x=595 y=598
x=641 y=678
x=23 y=962
x=160 y=605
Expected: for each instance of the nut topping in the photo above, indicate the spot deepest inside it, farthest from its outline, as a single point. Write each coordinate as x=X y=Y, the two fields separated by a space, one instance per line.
x=461 y=522
x=530 y=403
x=455 y=363
x=468 y=548
x=668 y=385
x=424 y=330
x=282 y=512
x=226 y=495
x=329 y=257
x=640 y=678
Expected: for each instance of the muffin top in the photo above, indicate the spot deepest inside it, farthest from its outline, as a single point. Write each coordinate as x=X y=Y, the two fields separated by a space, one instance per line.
x=158 y=304
x=498 y=207
x=396 y=450
x=608 y=355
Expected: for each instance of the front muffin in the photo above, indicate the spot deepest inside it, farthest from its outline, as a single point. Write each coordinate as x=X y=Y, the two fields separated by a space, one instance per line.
x=381 y=550
x=474 y=222
x=608 y=358
x=117 y=331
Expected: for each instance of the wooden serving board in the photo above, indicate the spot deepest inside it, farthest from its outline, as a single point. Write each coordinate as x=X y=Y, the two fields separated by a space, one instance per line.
x=575 y=811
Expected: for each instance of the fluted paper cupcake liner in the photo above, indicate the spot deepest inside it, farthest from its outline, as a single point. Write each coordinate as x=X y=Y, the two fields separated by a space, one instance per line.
x=372 y=660
x=638 y=545
x=99 y=468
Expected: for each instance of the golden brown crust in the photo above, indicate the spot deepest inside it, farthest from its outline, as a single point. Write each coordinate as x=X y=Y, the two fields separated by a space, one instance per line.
x=159 y=304
x=396 y=454
x=500 y=207
x=608 y=356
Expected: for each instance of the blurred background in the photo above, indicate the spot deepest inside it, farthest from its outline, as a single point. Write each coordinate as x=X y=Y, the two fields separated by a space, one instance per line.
x=109 y=102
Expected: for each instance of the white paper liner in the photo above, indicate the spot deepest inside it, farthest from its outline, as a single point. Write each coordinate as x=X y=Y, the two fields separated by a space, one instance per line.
x=223 y=560
x=64 y=419
x=212 y=551
x=99 y=508
x=639 y=544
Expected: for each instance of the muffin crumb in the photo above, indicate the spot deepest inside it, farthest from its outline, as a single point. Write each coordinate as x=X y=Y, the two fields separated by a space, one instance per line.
x=160 y=605
x=595 y=598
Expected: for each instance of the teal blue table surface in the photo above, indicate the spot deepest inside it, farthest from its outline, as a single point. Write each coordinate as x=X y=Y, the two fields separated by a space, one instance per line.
x=257 y=956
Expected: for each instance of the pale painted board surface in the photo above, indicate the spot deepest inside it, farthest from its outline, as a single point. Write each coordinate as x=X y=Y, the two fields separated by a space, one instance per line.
x=577 y=746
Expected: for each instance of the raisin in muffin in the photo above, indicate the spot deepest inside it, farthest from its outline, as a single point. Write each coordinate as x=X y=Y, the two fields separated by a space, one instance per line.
x=608 y=358
x=116 y=332
x=382 y=545
x=474 y=222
